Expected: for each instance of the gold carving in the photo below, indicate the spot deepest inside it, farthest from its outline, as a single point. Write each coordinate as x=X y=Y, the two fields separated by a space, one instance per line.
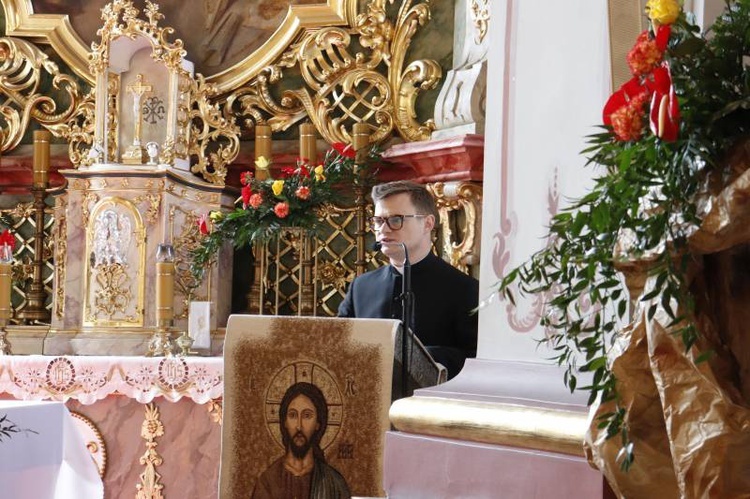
x=331 y=274
x=22 y=210
x=460 y=208
x=61 y=252
x=151 y=429
x=480 y=15
x=88 y=199
x=188 y=240
x=496 y=423
x=154 y=201
x=343 y=89
x=21 y=68
x=214 y=139
x=215 y=410
x=113 y=294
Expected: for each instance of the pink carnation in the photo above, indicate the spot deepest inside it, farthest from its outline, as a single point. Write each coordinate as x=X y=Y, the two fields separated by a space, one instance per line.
x=281 y=209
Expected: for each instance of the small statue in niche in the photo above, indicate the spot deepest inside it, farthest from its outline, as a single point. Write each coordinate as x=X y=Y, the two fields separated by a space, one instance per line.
x=111 y=238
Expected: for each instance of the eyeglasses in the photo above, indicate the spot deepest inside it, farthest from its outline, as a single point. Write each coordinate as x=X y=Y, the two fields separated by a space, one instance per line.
x=394 y=222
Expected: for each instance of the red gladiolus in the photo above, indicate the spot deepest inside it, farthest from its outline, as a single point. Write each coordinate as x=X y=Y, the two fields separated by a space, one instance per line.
x=281 y=210
x=246 y=193
x=203 y=224
x=344 y=150
x=665 y=110
x=287 y=172
x=303 y=192
x=6 y=238
x=255 y=200
x=303 y=171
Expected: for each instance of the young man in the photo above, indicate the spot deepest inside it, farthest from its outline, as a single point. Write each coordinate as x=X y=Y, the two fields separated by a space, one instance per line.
x=444 y=297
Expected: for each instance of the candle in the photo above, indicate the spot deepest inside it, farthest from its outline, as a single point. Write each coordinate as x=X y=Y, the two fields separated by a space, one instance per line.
x=6 y=258
x=360 y=140
x=308 y=150
x=41 y=158
x=262 y=148
x=164 y=291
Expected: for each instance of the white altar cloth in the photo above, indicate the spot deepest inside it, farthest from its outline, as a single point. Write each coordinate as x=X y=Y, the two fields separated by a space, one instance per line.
x=91 y=378
x=45 y=456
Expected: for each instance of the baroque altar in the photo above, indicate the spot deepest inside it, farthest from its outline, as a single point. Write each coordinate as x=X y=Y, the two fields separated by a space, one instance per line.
x=133 y=191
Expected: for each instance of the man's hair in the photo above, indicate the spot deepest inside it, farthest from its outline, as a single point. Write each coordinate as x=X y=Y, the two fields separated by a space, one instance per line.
x=321 y=410
x=418 y=194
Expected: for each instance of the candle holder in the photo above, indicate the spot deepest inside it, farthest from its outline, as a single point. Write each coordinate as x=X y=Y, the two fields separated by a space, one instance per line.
x=184 y=342
x=161 y=341
x=6 y=258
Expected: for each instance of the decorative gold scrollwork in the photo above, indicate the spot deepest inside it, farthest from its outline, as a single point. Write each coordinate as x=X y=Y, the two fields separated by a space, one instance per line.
x=21 y=67
x=150 y=486
x=460 y=208
x=375 y=86
x=113 y=295
x=214 y=140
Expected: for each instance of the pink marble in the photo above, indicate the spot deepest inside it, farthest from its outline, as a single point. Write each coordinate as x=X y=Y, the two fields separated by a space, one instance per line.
x=190 y=447
x=432 y=468
x=452 y=159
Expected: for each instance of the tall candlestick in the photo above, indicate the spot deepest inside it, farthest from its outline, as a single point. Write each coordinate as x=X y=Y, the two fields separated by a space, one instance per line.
x=5 y=288
x=164 y=291
x=360 y=140
x=308 y=149
x=41 y=158
x=262 y=148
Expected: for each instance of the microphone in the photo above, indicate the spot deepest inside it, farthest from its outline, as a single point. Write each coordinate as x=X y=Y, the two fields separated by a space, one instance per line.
x=377 y=245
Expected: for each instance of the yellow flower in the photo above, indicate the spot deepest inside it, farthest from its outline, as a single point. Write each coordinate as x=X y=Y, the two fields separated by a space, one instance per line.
x=262 y=163
x=319 y=173
x=216 y=216
x=663 y=11
x=277 y=187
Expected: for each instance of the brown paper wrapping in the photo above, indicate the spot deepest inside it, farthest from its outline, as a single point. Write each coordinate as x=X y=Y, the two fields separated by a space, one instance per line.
x=689 y=421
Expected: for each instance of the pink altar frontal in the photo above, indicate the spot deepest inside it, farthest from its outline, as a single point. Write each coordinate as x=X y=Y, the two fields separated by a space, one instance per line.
x=151 y=424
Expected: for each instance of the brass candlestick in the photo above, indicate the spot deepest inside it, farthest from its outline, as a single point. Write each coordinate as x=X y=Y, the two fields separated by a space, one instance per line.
x=360 y=141
x=308 y=150
x=6 y=257
x=262 y=149
x=35 y=309
x=161 y=341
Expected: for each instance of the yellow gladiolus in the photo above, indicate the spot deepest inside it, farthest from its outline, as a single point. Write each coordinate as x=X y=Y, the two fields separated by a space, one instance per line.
x=319 y=173
x=663 y=11
x=277 y=187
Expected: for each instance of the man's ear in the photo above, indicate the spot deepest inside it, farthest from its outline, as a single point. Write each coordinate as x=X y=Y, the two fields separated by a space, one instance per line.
x=429 y=222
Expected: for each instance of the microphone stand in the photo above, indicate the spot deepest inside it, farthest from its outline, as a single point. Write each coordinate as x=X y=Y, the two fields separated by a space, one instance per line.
x=407 y=319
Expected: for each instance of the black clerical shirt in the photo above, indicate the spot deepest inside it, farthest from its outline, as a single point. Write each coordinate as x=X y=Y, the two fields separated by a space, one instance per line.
x=444 y=298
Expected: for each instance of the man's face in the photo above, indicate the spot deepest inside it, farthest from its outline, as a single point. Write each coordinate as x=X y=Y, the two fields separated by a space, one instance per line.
x=415 y=231
x=301 y=424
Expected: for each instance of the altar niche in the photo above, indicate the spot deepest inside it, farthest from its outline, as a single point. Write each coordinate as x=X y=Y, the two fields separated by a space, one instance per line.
x=147 y=99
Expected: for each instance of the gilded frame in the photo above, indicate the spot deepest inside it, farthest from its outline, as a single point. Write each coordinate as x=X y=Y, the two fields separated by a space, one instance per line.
x=57 y=30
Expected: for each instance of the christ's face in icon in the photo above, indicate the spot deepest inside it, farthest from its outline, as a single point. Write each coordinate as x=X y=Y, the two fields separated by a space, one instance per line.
x=301 y=424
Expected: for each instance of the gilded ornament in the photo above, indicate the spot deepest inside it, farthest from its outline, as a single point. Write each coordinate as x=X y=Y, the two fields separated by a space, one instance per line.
x=480 y=16
x=151 y=429
x=113 y=294
x=461 y=203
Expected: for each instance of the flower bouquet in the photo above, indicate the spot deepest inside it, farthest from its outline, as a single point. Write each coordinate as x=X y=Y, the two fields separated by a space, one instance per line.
x=291 y=201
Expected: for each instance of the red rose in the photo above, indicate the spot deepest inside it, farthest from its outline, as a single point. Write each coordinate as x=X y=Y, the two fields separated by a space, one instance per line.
x=255 y=200
x=344 y=150
x=281 y=209
x=303 y=192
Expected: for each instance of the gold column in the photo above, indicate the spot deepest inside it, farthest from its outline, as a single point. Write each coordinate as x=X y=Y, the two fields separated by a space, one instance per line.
x=34 y=309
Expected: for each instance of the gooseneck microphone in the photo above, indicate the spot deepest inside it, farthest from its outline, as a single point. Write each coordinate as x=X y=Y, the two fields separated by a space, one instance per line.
x=407 y=319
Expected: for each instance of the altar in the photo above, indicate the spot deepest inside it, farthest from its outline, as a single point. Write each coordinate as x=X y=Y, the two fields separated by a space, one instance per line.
x=153 y=425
